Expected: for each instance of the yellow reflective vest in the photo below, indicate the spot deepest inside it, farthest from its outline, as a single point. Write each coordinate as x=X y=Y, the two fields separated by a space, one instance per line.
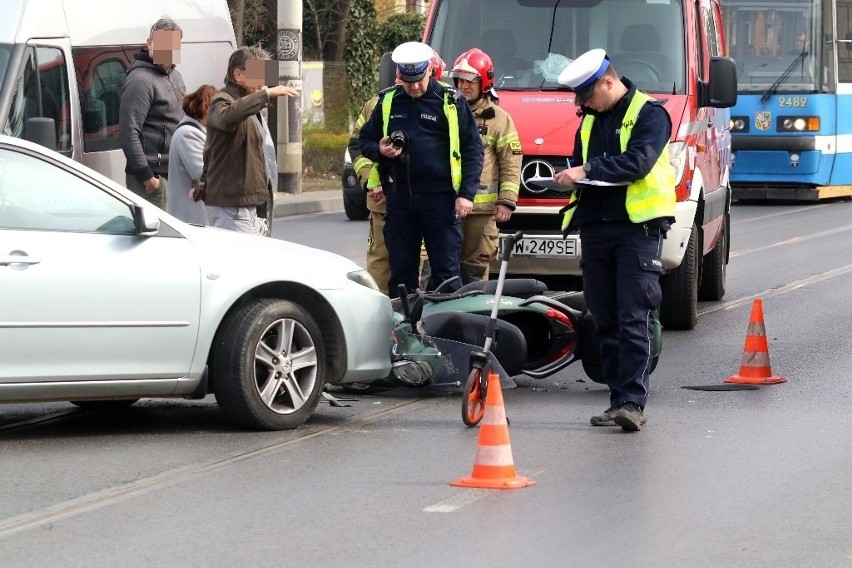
x=648 y=198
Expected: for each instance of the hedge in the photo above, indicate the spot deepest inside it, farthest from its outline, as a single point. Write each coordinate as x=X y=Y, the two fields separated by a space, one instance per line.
x=322 y=152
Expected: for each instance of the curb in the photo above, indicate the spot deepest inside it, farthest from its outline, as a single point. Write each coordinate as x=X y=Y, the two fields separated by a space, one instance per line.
x=289 y=205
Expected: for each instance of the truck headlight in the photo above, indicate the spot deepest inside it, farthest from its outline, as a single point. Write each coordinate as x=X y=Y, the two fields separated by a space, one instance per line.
x=677 y=158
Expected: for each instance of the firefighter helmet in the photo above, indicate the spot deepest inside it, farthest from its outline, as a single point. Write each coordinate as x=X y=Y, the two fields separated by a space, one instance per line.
x=472 y=64
x=438 y=65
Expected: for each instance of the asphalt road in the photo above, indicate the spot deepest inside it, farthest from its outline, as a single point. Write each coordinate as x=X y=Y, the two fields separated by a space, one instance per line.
x=753 y=478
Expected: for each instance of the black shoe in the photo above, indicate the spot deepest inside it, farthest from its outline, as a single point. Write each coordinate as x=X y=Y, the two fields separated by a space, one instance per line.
x=630 y=417
x=606 y=418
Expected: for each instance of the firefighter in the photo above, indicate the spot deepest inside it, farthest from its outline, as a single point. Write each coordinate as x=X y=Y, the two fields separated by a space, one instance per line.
x=424 y=138
x=495 y=200
x=623 y=139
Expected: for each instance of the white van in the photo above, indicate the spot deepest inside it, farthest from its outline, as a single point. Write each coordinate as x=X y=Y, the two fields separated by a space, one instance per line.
x=63 y=62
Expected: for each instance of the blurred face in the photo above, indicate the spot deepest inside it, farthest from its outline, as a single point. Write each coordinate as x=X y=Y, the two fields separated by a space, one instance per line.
x=418 y=88
x=470 y=89
x=253 y=77
x=164 y=47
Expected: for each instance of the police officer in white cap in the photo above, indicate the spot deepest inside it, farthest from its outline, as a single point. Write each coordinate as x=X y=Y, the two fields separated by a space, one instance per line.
x=623 y=139
x=423 y=137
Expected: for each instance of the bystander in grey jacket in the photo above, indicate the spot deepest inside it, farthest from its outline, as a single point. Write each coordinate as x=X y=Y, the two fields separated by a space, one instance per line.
x=149 y=113
x=186 y=161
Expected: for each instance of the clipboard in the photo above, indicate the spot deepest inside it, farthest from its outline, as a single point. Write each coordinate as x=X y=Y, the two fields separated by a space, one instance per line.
x=550 y=184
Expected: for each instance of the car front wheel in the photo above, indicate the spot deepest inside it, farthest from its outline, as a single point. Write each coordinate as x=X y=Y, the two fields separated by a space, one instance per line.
x=269 y=365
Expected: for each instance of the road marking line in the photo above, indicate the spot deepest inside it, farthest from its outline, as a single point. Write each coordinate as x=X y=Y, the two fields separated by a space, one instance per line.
x=792 y=241
x=770 y=292
x=469 y=496
x=458 y=501
x=109 y=496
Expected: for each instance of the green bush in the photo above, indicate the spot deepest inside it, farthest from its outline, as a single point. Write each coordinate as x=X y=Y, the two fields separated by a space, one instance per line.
x=322 y=152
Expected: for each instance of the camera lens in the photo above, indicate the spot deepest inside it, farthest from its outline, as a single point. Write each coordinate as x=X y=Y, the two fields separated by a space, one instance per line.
x=398 y=138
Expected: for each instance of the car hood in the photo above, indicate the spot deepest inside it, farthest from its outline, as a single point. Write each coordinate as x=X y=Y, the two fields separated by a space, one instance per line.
x=228 y=253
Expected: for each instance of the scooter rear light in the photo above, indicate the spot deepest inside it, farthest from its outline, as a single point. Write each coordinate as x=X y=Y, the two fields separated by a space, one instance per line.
x=559 y=316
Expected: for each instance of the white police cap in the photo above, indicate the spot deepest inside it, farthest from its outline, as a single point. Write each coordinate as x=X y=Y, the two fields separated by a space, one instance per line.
x=582 y=73
x=412 y=60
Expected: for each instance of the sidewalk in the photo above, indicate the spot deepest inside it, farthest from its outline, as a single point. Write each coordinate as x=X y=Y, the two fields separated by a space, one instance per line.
x=325 y=201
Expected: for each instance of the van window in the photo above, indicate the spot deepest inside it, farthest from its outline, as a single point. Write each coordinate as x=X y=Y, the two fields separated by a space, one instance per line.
x=5 y=55
x=100 y=74
x=531 y=41
x=42 y=90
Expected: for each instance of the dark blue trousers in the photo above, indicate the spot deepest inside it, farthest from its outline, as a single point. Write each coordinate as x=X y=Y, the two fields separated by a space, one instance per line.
x=428 y=218
x=621 y=283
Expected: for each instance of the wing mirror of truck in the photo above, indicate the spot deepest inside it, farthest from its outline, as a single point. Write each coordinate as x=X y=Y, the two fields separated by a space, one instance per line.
x=720 y=91
x=42 y=131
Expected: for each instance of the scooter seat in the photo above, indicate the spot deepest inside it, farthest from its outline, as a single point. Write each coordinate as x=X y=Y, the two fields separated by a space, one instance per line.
x=509 y=346
x=517 y=287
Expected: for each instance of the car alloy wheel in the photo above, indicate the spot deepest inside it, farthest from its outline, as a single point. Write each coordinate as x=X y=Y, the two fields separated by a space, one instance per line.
x=269 y=365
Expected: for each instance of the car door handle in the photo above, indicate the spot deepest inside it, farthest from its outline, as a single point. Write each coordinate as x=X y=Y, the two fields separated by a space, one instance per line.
x=17 y=257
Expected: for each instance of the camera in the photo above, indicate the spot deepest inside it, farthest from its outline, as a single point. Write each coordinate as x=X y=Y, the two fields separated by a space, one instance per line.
x=398 y=138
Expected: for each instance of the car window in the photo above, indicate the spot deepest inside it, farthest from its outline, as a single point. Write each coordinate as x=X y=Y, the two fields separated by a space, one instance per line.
x=38 y=195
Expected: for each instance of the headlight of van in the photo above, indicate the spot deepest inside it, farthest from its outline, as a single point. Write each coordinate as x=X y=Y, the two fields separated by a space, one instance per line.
x=677 y=158
x=363 y=278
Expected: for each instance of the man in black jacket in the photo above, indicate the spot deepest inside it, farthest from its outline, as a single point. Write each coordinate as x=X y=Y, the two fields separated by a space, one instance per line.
x=151 y=108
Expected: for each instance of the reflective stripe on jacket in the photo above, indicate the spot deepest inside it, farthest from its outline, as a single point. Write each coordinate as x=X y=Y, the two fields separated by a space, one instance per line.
x=501 y=171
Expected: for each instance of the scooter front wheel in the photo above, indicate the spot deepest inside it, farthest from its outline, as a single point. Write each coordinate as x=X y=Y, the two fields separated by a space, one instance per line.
x=473 y=397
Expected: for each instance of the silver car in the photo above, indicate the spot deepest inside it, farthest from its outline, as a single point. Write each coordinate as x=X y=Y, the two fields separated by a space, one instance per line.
x=105 y=299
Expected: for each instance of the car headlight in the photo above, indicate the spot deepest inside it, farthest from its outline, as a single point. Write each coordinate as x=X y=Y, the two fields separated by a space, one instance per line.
x=677 y=158
x=363 y=278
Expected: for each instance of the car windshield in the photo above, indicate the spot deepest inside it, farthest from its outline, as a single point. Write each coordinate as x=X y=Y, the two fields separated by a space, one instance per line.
x=531 y=41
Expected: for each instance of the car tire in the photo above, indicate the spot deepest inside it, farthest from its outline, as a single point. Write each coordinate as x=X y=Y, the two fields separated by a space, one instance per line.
x=105 y=404
x=269 y=364
x=714 y=267
x=679 y=308
x=355 y=211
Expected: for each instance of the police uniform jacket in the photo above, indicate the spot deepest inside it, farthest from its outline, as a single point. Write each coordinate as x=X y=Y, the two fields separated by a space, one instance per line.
x=501 y=170
x=426 y=124
x=608 y=163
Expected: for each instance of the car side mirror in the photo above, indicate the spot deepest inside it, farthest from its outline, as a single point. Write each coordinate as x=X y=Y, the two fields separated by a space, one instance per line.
x=146 y=223
x=41 y=130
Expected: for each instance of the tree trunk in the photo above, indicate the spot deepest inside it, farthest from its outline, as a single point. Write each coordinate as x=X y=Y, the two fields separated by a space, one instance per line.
x=238 y=10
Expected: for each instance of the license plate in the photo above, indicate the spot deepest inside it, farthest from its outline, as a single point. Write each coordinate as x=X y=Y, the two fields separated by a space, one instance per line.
x=553 y=247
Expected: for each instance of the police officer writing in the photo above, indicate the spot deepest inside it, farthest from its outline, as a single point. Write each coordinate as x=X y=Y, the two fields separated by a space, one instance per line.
x=623 y=139
x=473 y=73
x=423 y=136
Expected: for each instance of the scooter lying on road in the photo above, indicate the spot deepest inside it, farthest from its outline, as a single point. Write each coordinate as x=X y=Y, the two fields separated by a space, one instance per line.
x=508 y=326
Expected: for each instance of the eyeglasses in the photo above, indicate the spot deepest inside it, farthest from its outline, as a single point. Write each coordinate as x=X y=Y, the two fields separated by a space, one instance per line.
x=583 y=96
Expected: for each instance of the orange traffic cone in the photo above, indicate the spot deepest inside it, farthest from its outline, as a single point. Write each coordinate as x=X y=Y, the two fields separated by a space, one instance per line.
x=755 y=368
x=493 y=467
